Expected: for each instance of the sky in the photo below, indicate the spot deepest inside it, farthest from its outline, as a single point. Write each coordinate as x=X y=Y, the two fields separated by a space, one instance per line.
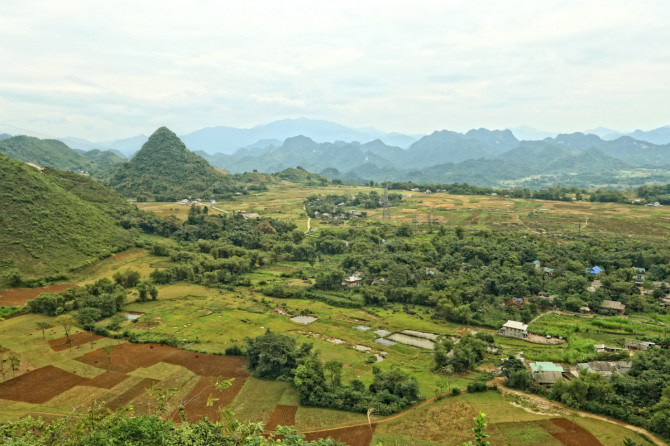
x=105 y=70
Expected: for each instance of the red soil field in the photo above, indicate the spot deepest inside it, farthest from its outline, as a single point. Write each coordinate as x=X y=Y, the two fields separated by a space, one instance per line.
x=58 y=345
x=130 y=394
x=573 y=435
x=19 y=296
x=281 y=416
x=128 y=357
x=352 y=436
x=39 y=385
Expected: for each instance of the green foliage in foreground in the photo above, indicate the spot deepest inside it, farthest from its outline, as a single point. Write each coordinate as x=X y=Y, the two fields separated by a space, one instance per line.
x=118 y=429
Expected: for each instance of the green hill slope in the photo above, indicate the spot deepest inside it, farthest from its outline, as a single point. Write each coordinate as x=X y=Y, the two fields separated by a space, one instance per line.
x=54 y=221
x=44 y=152
x=165 y=170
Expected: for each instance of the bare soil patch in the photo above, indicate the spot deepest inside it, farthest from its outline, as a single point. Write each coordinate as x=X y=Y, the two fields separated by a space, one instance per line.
x=60 y=344
x=570 y=433
x=130 y=394
x=195 y=406
x=19 y=296
x=40 y=385
x=281 y=416
x=352 y=436
x=128 y=357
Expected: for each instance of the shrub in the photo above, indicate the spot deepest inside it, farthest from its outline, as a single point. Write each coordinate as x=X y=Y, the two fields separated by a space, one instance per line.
x=234 y=350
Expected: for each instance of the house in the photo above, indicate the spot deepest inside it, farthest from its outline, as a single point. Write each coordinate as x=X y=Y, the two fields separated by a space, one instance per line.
x=638 y=276
x=353 y=280
x=514 y=329
x=549 y=271
x=212 y=201
x=595 y=270
x=546 y=373
x=639 y=345
x=602 y=348
x=584 y=309
x=250 y=215
x=605 y=368
x=547 y=378
x=543 y=366
x=431 y=272
x=612 y=306
x=428 y=191
x=537 y=264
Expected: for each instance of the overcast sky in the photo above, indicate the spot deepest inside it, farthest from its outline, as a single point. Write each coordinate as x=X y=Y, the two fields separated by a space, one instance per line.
x=112 y=69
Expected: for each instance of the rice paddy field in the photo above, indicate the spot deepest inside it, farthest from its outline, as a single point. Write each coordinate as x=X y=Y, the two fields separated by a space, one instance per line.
x=53 y=378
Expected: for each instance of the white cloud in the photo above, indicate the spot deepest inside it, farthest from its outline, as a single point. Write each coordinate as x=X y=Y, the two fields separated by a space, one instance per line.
x=104 y=70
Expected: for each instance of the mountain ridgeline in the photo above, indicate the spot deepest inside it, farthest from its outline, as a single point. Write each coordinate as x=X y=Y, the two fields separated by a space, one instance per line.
x=55 y=154
x=165 y=170
x=482 y=157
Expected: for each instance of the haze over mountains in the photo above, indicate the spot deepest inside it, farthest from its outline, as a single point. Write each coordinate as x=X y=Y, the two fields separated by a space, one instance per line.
x=496 y=158
x=228 y=140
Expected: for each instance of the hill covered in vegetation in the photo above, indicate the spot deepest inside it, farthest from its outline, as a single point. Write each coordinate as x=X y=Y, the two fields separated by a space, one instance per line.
x=52 y=221
x=165 y=170
x=55 y=154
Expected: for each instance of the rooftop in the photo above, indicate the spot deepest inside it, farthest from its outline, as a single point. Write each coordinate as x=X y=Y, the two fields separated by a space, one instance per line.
x=541 y=366
x=612 y=305
x=515 y=325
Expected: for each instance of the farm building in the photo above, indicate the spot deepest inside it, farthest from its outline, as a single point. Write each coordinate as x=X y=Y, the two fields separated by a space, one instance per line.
x=612 y=306
x=514 y=329
x=602 y=348
x=537 y=264
x=605 y=368
x=547 y=378
x=353 y=280
x=638 y=276
x=639 y=345
x=546 y=373
x=595 y=270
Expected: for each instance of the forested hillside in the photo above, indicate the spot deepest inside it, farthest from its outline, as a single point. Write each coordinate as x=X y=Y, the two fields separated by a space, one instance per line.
x=54 y=220
x=165 y=170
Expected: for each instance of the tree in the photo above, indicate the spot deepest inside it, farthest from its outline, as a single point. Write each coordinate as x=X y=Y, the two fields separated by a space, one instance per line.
x=334 y=370
x=14 y=363
x=86 y=317
x=41 y=325
x=272 y=355
x=66 y=321
x=127 y=278
x=108 y=354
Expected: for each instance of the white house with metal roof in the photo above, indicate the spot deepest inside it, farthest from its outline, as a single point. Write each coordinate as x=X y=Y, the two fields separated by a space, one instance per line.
x=514 y=329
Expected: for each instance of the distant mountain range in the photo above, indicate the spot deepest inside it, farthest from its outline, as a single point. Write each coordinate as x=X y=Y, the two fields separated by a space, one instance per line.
x=227 y=140
x=483 y=157
x=479 y=156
